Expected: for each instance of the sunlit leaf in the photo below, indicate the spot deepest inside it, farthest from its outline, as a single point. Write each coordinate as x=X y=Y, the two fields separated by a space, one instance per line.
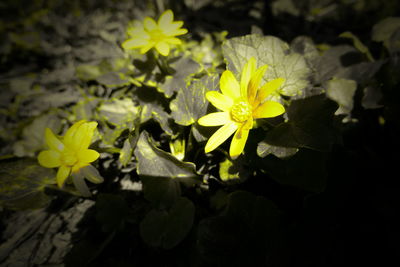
x=183 y=68
x=387 y=31
x=125 y=154
x=118 y=111
x=271 y=51
x=264 y=149
x=227 y=171
x=161 y=172
x=190 y=103
x=331 y=61
x=358 y=44
x=33 y=134
x=342 y=91
x=121 y=113
x=153 y=161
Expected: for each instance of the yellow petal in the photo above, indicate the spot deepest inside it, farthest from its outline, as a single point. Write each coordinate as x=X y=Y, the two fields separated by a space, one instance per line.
x=62 y=175
x=146 y=48
x=173 y=29
x=220 y=136
x=136 y=29
x=214 y=119
x=82 y=136
x=173 y=40
x=49 y=158
x=268 y=89
x=166 y=17
x=268 y=109
x=162 y=48
x=78 y=166
x=248 y=70
x=88 y=155
x=69 y=135
x=254 y=83
x=219 y=100
x=229 y=85
x=134 y=43
x=176 y=32
x=239 y=141
x=149 y=24
x=52 y=141
x=88 y=134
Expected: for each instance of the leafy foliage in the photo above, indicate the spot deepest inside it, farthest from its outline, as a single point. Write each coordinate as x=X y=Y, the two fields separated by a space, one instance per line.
x=23 y=183
x=312 y=185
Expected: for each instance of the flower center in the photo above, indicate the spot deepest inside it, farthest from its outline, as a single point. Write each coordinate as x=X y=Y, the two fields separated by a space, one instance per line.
x=68 y=158
x=241 y=111
x=156 y=35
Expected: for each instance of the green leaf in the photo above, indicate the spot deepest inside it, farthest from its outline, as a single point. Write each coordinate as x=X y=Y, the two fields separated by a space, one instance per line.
x=282 y=62
x=358 y=44
x=154 y=105
x=85 y=108
x=22 y=184
x=119 y=111
x=310 y=125
x=33 y=135
x=362 y=72
x=153 y=161
x=227 y=171
x=161 y=172
x=305 y=46
x=342 y=91
x=330 y=63
x=184 y=68
x=233 y=171
x=306 y=170
x=166 y=229
x=88 y=72
x=387 y=31
x=113 y=79
x=372 y=97
x=312 y=122
x=242 y=235
x=190 y=103
x=264 y=149
x=125 y=154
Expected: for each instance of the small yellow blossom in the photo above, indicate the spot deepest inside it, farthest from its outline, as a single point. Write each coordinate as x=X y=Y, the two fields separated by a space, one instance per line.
x=71 y=155
x=149 y=33
x=240 y=103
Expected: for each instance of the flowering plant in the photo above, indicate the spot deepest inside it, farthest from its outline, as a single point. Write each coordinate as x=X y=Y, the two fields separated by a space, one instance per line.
x=160 y=35
x=71 y=155
x=197 y=133
x=240 y=105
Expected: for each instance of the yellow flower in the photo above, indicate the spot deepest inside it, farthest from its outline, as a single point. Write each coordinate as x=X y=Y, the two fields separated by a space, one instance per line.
x=71 y=154
x=240 y=105
x=151 y=34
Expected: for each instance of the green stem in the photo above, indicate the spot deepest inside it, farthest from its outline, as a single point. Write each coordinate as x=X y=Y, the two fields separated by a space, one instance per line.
x=162 y=64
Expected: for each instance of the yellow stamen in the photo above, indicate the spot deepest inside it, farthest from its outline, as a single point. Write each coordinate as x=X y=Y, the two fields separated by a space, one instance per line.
x=241 y=111
x=68 y=158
